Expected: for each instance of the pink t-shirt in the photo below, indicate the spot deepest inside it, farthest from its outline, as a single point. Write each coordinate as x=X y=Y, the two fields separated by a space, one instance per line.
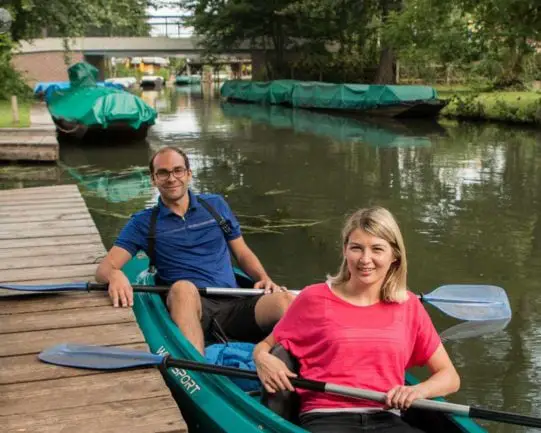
x=366 y=347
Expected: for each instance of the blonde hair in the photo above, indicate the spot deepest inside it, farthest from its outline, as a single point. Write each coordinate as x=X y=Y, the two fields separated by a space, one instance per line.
x=379 y=222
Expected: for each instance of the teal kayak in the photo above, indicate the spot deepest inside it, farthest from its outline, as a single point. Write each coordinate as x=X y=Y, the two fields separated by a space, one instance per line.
x=212 y=403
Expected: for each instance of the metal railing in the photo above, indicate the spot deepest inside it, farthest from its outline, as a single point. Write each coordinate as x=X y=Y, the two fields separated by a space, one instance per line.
x=171 y=26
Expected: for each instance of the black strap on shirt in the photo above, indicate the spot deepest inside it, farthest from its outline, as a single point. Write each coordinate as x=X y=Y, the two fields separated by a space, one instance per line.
x=224 y=225
x=151 y=238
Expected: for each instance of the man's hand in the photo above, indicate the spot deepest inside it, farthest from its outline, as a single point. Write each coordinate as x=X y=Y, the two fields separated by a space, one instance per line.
x=120 y=289
x=269 y=286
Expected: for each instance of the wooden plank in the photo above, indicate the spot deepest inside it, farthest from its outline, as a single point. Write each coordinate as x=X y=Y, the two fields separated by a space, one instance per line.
x=158 y=414
x=40 y=196
x=48 y=241
x=80 y=391
x=76 y=317
x=34 y=274
x=52 y=197
x=25 y=343
x=39 y=302
x=96 y=247
x=38 y=190
x=53 y=231
x=45 y=212
x=65 y=216
x=28 y=368
x=23 y=227
x=52 y=260
x=41 y=206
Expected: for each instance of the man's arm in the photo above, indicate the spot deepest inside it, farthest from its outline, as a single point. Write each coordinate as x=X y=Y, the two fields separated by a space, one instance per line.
x=250 y=264
x=109 y=271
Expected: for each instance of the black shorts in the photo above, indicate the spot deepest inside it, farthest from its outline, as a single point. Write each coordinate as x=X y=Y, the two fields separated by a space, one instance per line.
x=235 y=317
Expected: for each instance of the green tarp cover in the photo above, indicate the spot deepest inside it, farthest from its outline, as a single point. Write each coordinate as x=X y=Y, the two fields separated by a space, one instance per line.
x=267 y=92
x=338 y=128
x=88 y=104
x=325 y=95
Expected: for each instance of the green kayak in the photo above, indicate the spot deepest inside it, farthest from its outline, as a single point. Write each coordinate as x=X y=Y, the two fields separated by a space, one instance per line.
x=212 y=403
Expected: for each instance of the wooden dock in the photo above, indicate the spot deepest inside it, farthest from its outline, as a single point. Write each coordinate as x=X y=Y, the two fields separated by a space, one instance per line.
x=36 y=143
x=47 y=235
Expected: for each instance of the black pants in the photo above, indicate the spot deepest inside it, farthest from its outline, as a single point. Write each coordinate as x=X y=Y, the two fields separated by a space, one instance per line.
x=346 y=422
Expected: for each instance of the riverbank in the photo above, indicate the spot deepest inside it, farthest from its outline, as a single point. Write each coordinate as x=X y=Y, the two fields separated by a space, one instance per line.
x=512 y=107
x=6 y=116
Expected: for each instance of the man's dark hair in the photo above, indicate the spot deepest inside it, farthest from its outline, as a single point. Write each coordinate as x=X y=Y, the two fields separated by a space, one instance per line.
x=168 y=149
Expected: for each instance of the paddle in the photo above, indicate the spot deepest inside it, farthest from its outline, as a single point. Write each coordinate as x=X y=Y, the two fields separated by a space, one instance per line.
x=463 y=302
x=111 y=358
x=473 y=329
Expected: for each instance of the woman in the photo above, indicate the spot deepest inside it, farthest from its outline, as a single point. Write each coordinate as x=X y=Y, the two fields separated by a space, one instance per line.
x=361 y=328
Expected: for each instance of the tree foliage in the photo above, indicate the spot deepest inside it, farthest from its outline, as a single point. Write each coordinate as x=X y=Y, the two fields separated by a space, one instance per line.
x=69 y=18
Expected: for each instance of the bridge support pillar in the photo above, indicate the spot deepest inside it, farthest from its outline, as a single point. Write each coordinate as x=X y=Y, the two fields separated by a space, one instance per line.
x=99 y=62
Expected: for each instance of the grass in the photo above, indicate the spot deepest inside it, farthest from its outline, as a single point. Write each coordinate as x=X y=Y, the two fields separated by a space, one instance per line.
x=514 y=107
x=6 y=119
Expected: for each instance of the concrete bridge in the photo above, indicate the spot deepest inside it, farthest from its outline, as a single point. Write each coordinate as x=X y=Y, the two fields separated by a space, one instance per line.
x=44 y=59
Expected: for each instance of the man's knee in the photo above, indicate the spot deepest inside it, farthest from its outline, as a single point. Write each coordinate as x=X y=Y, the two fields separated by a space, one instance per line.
x=183 y=293
x=281 y=302
x=284 y=301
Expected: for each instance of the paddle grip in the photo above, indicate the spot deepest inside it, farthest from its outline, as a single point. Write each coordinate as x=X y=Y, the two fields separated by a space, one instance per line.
x=505 y=417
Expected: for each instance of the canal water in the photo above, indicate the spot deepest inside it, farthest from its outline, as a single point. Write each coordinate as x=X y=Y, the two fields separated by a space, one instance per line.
x=467 y=197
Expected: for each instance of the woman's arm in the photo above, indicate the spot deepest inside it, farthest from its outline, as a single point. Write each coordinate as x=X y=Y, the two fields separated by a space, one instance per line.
x=443 y=381
x=272 y=371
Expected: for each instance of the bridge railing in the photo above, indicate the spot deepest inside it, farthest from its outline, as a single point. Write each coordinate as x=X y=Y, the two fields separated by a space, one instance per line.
x=171 y=26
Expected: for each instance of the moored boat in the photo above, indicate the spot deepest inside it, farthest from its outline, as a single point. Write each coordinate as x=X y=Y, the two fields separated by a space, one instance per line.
x=397 y=101
x=86 y=110
x=212 y=403
x=183 y=80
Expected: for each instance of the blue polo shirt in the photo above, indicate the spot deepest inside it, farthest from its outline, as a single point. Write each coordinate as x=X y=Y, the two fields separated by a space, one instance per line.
x=192 y=247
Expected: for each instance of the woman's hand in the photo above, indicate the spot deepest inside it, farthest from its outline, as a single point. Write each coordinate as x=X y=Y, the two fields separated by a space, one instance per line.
x=401 y=397
x=273 y=373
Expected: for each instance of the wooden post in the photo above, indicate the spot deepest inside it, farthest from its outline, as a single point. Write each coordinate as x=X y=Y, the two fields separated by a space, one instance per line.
x=14 y=109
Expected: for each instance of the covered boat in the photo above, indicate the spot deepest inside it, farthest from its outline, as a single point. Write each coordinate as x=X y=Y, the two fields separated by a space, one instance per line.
x=85 y=110
x=353 y=99
x=212 y=403
x=184 y=80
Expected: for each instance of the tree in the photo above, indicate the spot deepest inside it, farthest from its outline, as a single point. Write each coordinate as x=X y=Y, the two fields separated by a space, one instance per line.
x=70 y=18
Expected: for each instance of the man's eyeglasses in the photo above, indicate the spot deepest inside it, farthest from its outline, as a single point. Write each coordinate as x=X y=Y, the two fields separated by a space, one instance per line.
x=163 y=175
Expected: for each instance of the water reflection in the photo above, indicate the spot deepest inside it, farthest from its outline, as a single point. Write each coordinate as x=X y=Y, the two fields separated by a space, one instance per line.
x=467 y=198
x=384 y=133
x=115 y=187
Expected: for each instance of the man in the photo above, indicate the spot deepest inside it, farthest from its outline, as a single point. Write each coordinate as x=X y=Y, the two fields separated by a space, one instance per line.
x=192 y=250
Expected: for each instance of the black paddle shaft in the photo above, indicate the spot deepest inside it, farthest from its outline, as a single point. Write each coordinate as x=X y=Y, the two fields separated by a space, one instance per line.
x=314 y=385
x=103 y=287
x=506 y=417
x=168 y=362
x=136 y=288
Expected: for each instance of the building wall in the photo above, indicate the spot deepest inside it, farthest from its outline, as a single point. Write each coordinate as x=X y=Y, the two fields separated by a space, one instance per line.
x=47 y=66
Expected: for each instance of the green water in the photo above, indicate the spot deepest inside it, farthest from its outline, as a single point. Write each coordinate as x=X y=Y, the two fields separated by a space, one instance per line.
x=467 y=196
